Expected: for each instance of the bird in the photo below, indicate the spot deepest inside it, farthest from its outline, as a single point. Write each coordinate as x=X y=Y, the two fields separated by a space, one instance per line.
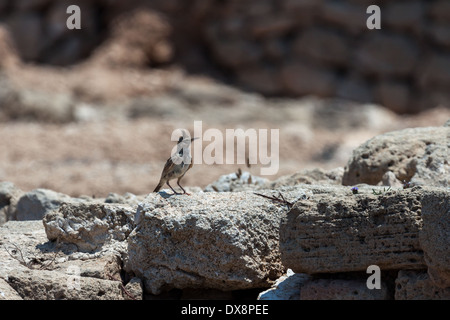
x=177 y=165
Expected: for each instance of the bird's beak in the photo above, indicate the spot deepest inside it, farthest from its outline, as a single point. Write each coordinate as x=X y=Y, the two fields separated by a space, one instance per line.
x=192 y=139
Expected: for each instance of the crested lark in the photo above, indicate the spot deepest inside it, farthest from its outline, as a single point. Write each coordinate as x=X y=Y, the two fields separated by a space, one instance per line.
x=178 y=164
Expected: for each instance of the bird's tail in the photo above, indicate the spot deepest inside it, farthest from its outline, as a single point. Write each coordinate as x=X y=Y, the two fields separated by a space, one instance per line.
x=158 y=187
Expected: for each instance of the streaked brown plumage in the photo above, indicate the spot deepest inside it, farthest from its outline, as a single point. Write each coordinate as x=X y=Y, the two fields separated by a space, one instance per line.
x=172 y=170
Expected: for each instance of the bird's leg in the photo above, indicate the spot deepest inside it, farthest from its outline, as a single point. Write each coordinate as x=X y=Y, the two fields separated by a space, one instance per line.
x=172 y=188
x=184 y=191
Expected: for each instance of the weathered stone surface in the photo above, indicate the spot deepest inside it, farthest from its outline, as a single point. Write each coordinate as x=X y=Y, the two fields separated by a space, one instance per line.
x=260 y=80
x=345 y=15
x=340 y=232
x=137 y=38
x=393 y=95
x=341 y=289
x=418 y=155
x=34 y=268
x=104 y=266
x=26 y=29
x=213 y=243
x=339 y=114
x=224 y=241
x=9 y=195
x=383 y=55
x=238 y=181
x=390 y=180
x=8 y=293
x=416 y=285
x=286 y=287
x=322 y=46
x=127 y=198
x=434 y=73
x=34 y=205
x=277 y=25
x=405 y=16
x=235 y=53
x=307 y=176
x=435 y=236
x=50 y=285
x=354 y=88
x=439 y=33
x=89 y=226
x=8 y=54
x=300 y=79
x=440 y=10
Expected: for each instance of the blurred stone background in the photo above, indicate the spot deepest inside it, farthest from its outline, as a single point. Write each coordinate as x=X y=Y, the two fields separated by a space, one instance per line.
x=91 y=111
x=274 y=47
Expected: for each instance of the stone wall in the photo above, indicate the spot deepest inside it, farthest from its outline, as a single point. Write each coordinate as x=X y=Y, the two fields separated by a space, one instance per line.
x=276 y=47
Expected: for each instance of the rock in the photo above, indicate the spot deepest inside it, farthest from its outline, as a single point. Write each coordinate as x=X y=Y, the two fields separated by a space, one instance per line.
x=19 y=235
x=106 y=266
x=34 y=205
x=416 y=285
x=341 y=289
x=340 y=114
x=206 y=294
x=405 y=16
x=336 y=231
x=235 y=53
x=354 y=88
x=8 y=54
x=439 y=98
x=24 y=5
x=50 y=285
x=307 y=176
x=223 y=241
x=138 y=38
x=128 y=198
x=29 y=104
x=62 y=45
x=266 y=26
x=8 y=97
x=394 y=95
x=89 y=226
x=206 y=93
x=160 y=106
x=440 y=10
x=302 y=79
x=26 y=31
x=239 y=181
x=386 y=55
x=286 y=287
x=9 y=195
x=439 y=33
x=262 y=80
x=4 y=6
x=434 y=72
x=345 y=16
x=389 y=179
x=324 y=47
x=274 y=49
x=134 y=289
x=8 y=293
x=36 y=269
x=418 y=155
x=435 y=236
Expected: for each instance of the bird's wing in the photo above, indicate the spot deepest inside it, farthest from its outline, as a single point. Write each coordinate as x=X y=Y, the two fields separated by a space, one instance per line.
x=167 y=167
